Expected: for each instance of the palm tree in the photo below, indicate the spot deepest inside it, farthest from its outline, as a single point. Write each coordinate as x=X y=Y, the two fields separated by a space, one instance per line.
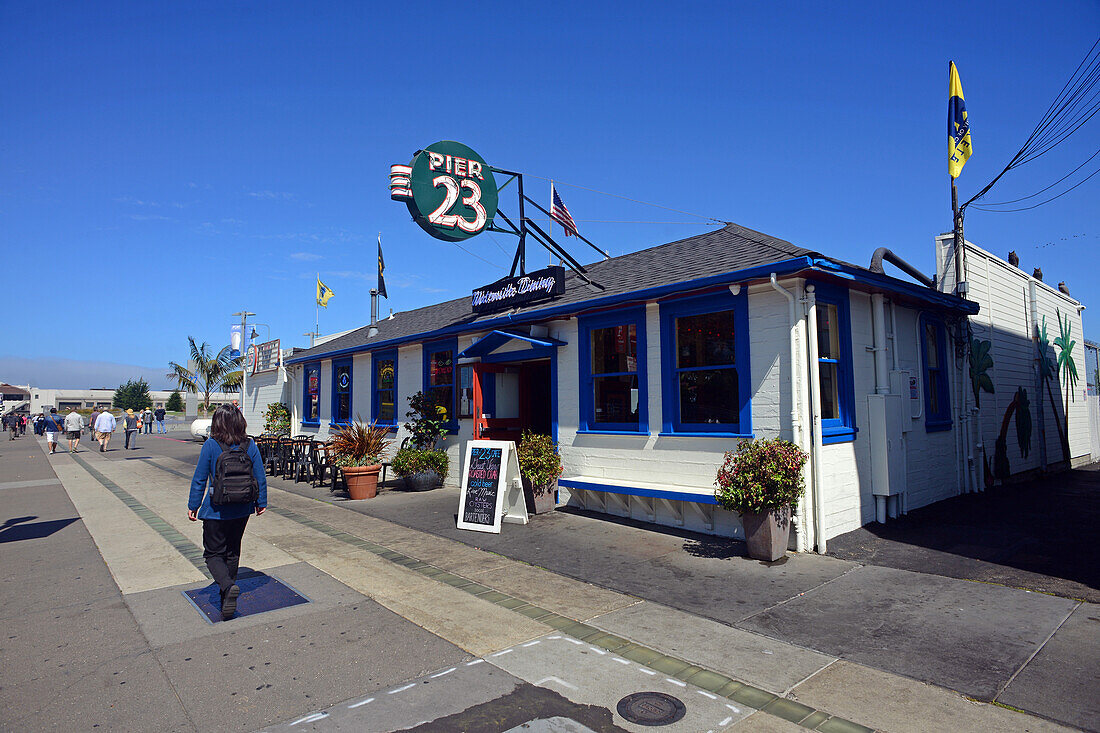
x=212 y=373
x=1065 y=344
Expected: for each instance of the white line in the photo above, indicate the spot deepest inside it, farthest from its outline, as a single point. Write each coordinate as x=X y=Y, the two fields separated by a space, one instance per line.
x=501 y=654
x=707 y=694
x=573 y=641
x=620 y=660
x=647 y=671
x=725 y=722
x=361 y=703
x=402 y=689
x=532 y=643
x=446 y=671
x=310 y=718
x=476 y=661
x=559 y=680
x=734 y=709
x=598 y=650
x=676 y=682
x=553 y=637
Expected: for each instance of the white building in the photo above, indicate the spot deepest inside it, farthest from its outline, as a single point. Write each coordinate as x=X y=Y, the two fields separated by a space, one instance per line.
x=42 y=399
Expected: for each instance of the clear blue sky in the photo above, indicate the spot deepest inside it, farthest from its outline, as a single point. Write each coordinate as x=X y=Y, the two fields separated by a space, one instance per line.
x=174 y=164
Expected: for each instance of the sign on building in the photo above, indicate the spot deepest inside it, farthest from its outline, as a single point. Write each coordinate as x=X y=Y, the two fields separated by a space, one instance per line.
x=510 y=292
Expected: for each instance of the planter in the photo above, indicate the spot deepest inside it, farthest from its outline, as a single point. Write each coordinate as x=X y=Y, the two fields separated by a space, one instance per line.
x=542 y=501
x=767 y=534
x=362 y=481
x=423 y=481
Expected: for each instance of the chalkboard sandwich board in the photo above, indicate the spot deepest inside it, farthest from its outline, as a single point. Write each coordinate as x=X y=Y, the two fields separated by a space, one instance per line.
x=491 y=488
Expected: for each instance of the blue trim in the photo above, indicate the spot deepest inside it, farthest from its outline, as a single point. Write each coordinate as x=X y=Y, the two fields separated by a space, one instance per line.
x=375 y=357
x=430 y=347
x=637 y=491
x=631 y=433
x=337 y=364
x=915 y=291
x=722 y=300
x=554 y=396
x=493 y=340
x=536 y=352
x=842 y=429
x=585 y=326
x=940 y=421
x=305 y=394
x=734 y=436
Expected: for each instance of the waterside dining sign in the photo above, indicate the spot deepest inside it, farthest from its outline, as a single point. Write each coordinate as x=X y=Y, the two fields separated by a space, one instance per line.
x=510 y=292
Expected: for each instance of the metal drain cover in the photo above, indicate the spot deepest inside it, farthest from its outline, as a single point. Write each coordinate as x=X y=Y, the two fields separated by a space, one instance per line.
x=651 y=708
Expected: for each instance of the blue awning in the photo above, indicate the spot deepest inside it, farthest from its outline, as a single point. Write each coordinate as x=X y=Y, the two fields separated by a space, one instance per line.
x=493 y=340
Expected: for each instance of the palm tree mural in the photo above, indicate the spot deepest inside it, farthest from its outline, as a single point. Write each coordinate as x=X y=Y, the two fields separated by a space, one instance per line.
x=1021 y=407
x=1048 y=368
x=219 y=372
x=980 y=363
x=1065 y=345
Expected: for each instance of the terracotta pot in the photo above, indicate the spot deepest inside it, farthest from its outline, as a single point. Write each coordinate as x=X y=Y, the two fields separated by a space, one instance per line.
x=540 y=502
x=362 y=481
x=423 y=481
x=767 y=534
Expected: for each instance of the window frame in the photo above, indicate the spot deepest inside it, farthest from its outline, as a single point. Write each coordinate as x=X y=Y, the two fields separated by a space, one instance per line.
x=434 y=347
x=697 y=305
x=841 y=429
x=586 y=324
x=335 y=395
x=375 y=404
x=315 y=365
x=941 y=421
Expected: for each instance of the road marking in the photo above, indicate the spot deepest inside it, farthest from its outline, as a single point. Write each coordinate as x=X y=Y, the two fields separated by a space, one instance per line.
x=598 y=650
x=29 y=484
x=311 y=718
x=574 y=641
x=532 y=643
x=726 y=721
x=446 y=671
x=559 y=680
x=476 y=661
x=402 y=689
x=360 y=704
x=734 y=708
x=707 y=694
x=553 y=637
x=676 y=682
x=501 y=654
x=647 y=671
x=620 y=660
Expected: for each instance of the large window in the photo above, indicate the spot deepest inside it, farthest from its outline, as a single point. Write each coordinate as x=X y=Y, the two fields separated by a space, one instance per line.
x=705 y=358
x=440 y=377
x=341 y=391
x=384 y=387
x=834 y=364
x=937 y=402
x=311 y=395
x=613 y=373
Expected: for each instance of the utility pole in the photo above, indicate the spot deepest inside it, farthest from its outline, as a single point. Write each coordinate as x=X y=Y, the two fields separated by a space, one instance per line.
x=244 y=334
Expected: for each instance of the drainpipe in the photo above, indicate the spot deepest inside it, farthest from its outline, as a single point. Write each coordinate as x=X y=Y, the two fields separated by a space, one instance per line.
x=815 y=418
x=796 y=419
x=878 y=319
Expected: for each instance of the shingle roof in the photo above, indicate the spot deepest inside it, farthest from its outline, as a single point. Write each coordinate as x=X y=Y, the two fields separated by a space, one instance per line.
x=728 y=249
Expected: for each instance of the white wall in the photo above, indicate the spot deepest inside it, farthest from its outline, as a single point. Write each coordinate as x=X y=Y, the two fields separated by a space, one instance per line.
x=263 y=389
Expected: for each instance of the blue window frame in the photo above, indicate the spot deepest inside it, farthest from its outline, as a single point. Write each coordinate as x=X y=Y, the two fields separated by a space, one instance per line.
x=834 y=364
x=384 y=387
x=441 y=377
x=311 y=395
x=341 y=391
x=937 y=396
x=707 y=388
x=613 y=396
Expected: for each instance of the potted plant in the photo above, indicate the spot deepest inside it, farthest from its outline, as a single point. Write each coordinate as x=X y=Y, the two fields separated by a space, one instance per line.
x=761 y=480
x=422 y=465
x=357 y=450
x=539 y=466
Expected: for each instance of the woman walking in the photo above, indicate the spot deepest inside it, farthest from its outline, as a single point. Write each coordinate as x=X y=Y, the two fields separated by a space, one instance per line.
x=223 y=518
x=130 y=426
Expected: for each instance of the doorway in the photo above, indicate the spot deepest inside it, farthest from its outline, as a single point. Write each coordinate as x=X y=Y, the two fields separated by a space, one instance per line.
x=511 y=397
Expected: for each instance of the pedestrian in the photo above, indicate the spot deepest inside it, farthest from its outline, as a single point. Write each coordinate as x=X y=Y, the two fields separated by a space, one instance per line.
x=74 y=426
x=37 y=422
x=130 y=424
x=104 y=428
x=147 y=420
x=159 y=415
x=10 y=426
x=54 y=425
x=91 y=422
x=226 y=461
x=22 y=424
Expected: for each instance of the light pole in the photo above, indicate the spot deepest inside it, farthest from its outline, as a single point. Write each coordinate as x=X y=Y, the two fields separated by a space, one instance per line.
x=244 y=371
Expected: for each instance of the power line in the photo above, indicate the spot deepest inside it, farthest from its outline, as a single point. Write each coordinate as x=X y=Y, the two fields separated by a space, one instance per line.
x=626 y=198
x=1042 y=190
x=1035 y=206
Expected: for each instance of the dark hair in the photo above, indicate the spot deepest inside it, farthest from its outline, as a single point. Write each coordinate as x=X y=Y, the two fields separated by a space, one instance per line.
x=228 y=426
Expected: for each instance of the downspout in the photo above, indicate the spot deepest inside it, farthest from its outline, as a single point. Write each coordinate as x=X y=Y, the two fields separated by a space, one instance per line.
x=882 y=379
x=815 y=419
x=796 y=418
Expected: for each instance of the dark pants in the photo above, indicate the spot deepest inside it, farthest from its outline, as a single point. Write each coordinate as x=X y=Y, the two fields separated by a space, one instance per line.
x=149 y=427
x=130 y=435
x=221 y=548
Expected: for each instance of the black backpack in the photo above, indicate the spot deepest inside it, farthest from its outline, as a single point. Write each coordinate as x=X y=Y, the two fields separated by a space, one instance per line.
x=234 y=482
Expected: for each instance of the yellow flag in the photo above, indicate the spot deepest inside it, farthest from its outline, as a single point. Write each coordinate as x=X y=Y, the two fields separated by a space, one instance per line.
x=958 y=127
x=324 y=292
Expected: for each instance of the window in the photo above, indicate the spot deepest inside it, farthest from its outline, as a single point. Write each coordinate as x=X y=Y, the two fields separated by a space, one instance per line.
x=384 y=388
x=834 y=364
x=465 y=391
x=704 y=358
x=937 y=402
x=440 y=378
x=341 y=391
x=613 y=373
x=311 y=398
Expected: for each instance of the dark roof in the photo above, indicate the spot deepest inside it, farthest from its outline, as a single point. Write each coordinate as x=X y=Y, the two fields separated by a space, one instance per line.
x=730 y=248
x=6 y=388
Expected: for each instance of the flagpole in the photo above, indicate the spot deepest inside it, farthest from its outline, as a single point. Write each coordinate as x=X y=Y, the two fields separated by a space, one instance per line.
x=317 y=311
x=550 y=228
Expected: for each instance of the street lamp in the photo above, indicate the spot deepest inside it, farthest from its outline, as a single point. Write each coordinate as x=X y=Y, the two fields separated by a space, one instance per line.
x=244 y=372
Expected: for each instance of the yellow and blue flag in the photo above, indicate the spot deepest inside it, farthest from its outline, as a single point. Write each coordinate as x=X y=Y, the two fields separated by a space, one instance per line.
x=324 y=292
x=958 y=128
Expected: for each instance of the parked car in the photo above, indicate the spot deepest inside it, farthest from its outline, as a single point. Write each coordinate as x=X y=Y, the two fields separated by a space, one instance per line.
x=201 y=428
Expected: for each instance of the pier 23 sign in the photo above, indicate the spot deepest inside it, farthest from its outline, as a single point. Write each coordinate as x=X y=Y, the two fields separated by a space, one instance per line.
x=449 y=189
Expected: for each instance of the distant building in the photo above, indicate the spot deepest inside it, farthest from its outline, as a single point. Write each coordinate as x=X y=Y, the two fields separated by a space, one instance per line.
x=15 y=399
x=42 y=399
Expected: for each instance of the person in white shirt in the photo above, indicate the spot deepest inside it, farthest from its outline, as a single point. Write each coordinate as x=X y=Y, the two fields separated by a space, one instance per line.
x=104 y=429
x=74 y=425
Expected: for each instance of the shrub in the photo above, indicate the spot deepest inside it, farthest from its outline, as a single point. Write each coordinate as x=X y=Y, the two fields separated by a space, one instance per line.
x=412 y=460
x=539 y=461
x=427 y=421
x=760 y=476
x=277 y=419
x=359 y=444
x=175 y=402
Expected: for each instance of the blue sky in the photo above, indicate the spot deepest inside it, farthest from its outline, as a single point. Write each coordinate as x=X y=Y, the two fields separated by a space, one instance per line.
x=173 y=164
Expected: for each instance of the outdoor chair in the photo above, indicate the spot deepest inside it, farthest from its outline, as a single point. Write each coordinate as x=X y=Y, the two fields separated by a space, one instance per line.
x=303 y=460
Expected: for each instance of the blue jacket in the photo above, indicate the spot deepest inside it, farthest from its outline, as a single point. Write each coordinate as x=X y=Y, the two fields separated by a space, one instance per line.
x=204 y=472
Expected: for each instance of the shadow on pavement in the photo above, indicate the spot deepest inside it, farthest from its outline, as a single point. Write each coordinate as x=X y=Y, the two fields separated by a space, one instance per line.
x=12 y=532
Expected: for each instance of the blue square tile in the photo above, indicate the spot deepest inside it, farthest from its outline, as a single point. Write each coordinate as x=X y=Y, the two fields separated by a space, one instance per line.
x=259 y=593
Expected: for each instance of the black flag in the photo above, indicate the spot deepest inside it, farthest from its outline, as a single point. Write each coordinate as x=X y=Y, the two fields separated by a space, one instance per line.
x=381 y=269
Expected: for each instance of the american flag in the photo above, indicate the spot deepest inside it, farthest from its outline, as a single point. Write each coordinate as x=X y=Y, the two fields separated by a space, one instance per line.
x=560 y=214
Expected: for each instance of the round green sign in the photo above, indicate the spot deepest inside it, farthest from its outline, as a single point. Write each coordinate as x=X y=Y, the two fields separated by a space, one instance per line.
x=453 y=192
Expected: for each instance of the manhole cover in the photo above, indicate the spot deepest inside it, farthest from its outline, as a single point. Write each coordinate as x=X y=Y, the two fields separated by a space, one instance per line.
x=651 y=708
